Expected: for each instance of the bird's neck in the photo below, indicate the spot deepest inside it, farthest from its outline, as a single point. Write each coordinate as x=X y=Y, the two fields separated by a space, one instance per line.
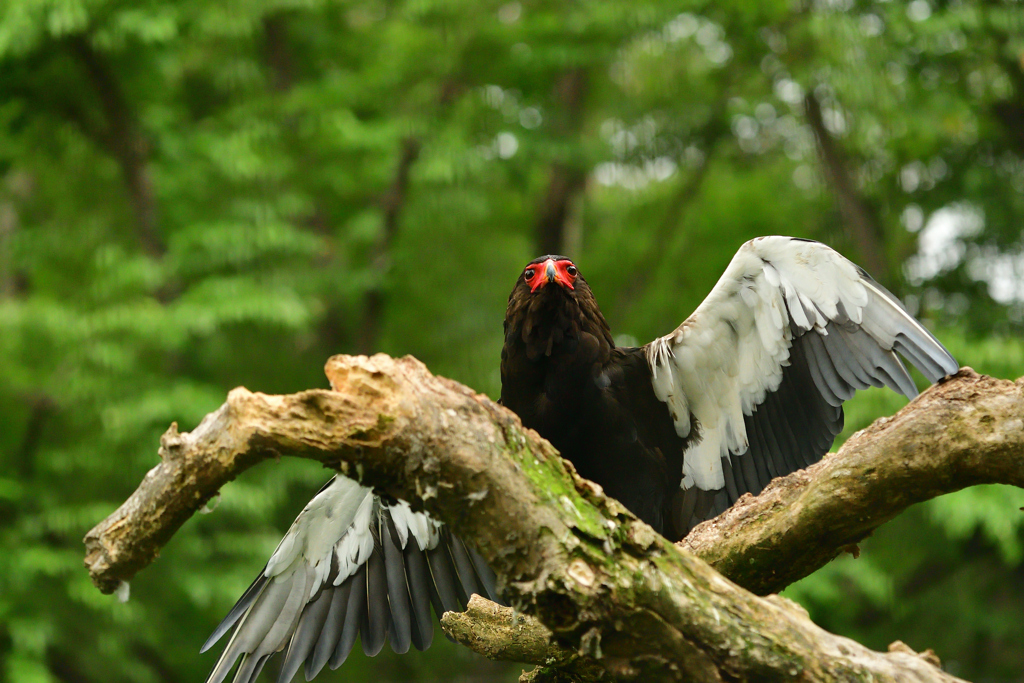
x=560 y=329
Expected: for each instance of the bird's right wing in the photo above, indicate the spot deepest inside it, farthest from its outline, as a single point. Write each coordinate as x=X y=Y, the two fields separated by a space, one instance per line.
x=351 y=564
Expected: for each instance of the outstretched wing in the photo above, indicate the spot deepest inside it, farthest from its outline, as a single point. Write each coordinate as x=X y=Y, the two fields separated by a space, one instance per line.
x=351 y=564
x=764 y=364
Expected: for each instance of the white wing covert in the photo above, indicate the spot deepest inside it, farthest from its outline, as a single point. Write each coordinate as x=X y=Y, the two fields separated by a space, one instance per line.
x=351 y=564
x=763 y=365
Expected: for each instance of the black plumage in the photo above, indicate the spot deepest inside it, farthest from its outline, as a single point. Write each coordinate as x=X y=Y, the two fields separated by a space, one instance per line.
x=563 y=375
x=794 y=302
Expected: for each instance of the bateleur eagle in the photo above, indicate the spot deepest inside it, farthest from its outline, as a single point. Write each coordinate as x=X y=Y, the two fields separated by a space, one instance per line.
x=748 y=388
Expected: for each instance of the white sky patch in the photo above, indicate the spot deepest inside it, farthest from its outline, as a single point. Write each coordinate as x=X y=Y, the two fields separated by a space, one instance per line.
x=941 y=247
x=530 y=118
x=1003 y=272
x=506 y=145
x=682 y=27
x=635 y=176
x=912 y=218
x=871 y=25
x=510 y=13
x=706 y=33
x=919 y=10
x=493 y=95
x=940 y=244
x=834 y=120
x=804 y=178
x=789 y=91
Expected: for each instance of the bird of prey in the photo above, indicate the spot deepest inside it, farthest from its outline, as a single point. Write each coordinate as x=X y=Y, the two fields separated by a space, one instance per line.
x=748 y=388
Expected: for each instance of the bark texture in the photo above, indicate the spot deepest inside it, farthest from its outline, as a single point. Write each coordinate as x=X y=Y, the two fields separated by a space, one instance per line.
x=608 y=588
x=499 y=633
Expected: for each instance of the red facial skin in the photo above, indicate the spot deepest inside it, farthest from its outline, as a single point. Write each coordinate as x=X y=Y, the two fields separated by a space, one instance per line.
x=539 y=274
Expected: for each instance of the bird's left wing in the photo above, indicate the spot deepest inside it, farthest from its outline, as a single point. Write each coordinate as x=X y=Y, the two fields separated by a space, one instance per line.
x=763 y=365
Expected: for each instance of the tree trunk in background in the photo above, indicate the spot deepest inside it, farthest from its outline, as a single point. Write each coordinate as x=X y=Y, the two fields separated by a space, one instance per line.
x=706 y=139
x=564 y=184
x=392 y=202
x=279 y=59
x=125 y=141
x=567 y=177
x=860 y=220
x=1009 y=111
x=277 y=52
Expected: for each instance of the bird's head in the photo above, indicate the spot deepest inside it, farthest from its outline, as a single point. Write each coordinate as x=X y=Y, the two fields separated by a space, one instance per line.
x=551 y=308
x=553 y=271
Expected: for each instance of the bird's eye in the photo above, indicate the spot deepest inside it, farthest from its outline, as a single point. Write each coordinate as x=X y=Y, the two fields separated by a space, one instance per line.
x=571 y=270
x=528 y=273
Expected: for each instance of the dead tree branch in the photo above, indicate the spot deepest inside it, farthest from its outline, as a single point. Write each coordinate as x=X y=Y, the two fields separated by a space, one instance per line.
x=602 y=582
x=965 y=432
x=499 y=633
x=805 y=520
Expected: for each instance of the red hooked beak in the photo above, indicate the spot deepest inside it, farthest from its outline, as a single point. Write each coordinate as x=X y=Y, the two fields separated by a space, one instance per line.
x=552 y=271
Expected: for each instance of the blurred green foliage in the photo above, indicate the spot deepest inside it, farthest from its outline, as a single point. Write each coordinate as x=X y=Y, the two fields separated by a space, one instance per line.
x=204 y=194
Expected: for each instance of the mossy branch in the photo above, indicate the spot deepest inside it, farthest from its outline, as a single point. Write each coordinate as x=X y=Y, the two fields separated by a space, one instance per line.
x=966 y=431
x=603 y=583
